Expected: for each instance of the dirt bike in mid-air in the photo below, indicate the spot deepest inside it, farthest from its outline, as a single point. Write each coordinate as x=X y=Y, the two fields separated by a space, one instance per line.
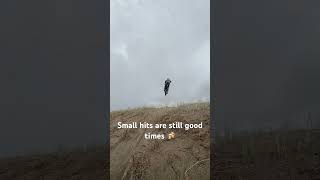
x=166 y=86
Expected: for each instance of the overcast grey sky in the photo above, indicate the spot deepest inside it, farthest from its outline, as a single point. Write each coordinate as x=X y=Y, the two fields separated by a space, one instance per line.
x=152 y=40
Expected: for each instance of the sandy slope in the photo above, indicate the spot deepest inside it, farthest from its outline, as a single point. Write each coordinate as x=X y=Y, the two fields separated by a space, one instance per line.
x=185 y=157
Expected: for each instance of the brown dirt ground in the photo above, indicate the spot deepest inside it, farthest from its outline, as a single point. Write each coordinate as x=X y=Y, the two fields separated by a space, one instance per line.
x=185 y=157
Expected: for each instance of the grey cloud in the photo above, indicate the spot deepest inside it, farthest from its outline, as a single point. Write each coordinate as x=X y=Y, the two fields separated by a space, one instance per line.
x=153 y=40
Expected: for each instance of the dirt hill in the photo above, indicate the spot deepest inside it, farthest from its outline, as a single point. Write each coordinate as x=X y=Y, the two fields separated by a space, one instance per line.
x=184 y=157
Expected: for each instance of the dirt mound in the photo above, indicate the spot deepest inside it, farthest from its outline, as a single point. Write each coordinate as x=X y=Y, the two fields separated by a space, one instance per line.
x=184 y=157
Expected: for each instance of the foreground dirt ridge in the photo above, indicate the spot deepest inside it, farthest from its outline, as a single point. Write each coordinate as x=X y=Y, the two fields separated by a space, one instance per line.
x=185 y=157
